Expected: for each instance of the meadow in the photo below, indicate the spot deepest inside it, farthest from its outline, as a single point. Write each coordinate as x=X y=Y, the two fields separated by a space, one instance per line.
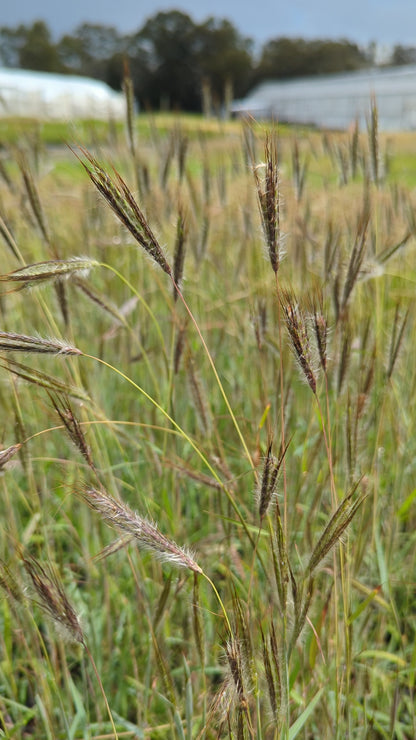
x=208 y=440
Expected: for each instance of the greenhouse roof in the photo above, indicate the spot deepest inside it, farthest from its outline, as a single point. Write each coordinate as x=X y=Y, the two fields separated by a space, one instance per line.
x=46 y=95
x=335 y=101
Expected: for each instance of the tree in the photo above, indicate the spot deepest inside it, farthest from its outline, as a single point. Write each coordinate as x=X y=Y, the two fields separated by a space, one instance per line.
x=287 y=57
x=37 y=50
x=93 y=50
x=166 y=46
x=225 y=57
x=73 y=55
x=403 y=55
x=11 y=41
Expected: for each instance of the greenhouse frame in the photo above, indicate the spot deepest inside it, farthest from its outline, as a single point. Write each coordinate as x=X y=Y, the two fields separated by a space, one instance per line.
x=43 y=95
x=338 y=100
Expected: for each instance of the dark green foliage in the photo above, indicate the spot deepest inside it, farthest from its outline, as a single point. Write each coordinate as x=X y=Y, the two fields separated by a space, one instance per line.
x=296 y=57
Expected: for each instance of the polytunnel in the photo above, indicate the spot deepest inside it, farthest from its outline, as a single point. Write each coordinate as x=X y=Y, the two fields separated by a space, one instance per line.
x=43 y=95
x=335 y=101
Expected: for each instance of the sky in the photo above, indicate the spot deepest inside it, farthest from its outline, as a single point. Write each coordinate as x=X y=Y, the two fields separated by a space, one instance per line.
x=387 y=22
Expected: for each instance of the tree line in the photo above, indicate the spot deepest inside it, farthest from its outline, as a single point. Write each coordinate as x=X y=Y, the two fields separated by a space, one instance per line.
x=175 y=63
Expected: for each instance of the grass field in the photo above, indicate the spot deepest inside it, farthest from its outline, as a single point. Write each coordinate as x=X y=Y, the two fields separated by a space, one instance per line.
x=208 y=439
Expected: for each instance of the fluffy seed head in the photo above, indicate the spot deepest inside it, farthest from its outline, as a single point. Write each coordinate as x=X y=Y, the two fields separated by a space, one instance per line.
x=50 y=271
x=146 y=533
x=53 y=599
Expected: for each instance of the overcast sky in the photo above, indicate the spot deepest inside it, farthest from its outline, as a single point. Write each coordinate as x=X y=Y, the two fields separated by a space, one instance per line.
x=362 y=21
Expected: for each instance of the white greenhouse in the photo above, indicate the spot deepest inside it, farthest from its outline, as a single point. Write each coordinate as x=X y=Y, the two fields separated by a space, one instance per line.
x=335 y=101
x=43 y=95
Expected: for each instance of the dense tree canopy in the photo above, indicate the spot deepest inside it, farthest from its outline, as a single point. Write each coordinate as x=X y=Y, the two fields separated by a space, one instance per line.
x=289 y=57
x=167 y=44
x=224 y=56
x=37 y=50
x=176 y=63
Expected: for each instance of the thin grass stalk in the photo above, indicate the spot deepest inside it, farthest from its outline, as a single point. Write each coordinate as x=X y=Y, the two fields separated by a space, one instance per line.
x=334 y=499
x=104 y=695
x=120 y=199
x=128 y=89
x=34 y=199
x=282 y=405
x=144 y=304
x=218 y=380
x=396 y=341
x=123 y=322
x=281 y=569
x=374 y=142
x=199 y=398
x=9 y=239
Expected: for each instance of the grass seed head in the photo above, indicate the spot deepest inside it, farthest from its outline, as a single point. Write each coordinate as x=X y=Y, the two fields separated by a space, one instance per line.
x=268 y=482
x=146 y=533
x=297 y=328
x=268 y=194
x=49 y=271
x=7 y=454
x=335 y=528
x=53 y=599
x=43 y=380
x=73 y=427
x=11 y=342
x=179 y=254
x=10 y=585
x=121 y=200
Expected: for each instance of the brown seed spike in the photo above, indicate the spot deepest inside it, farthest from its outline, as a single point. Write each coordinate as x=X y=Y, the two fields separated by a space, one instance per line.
x=7 y=454
x=269 y=202
x=121 y=200
x=179 y=257
x=72 y=425
x=53 y=599
x=298 y=333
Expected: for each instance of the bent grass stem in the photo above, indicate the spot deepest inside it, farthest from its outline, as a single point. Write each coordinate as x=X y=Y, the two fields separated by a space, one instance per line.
x=185 y=436
x=217 y=377
x=142 y=301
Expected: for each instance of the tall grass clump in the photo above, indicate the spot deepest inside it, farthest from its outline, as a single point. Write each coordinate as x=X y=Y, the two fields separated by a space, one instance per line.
x=207 y=465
